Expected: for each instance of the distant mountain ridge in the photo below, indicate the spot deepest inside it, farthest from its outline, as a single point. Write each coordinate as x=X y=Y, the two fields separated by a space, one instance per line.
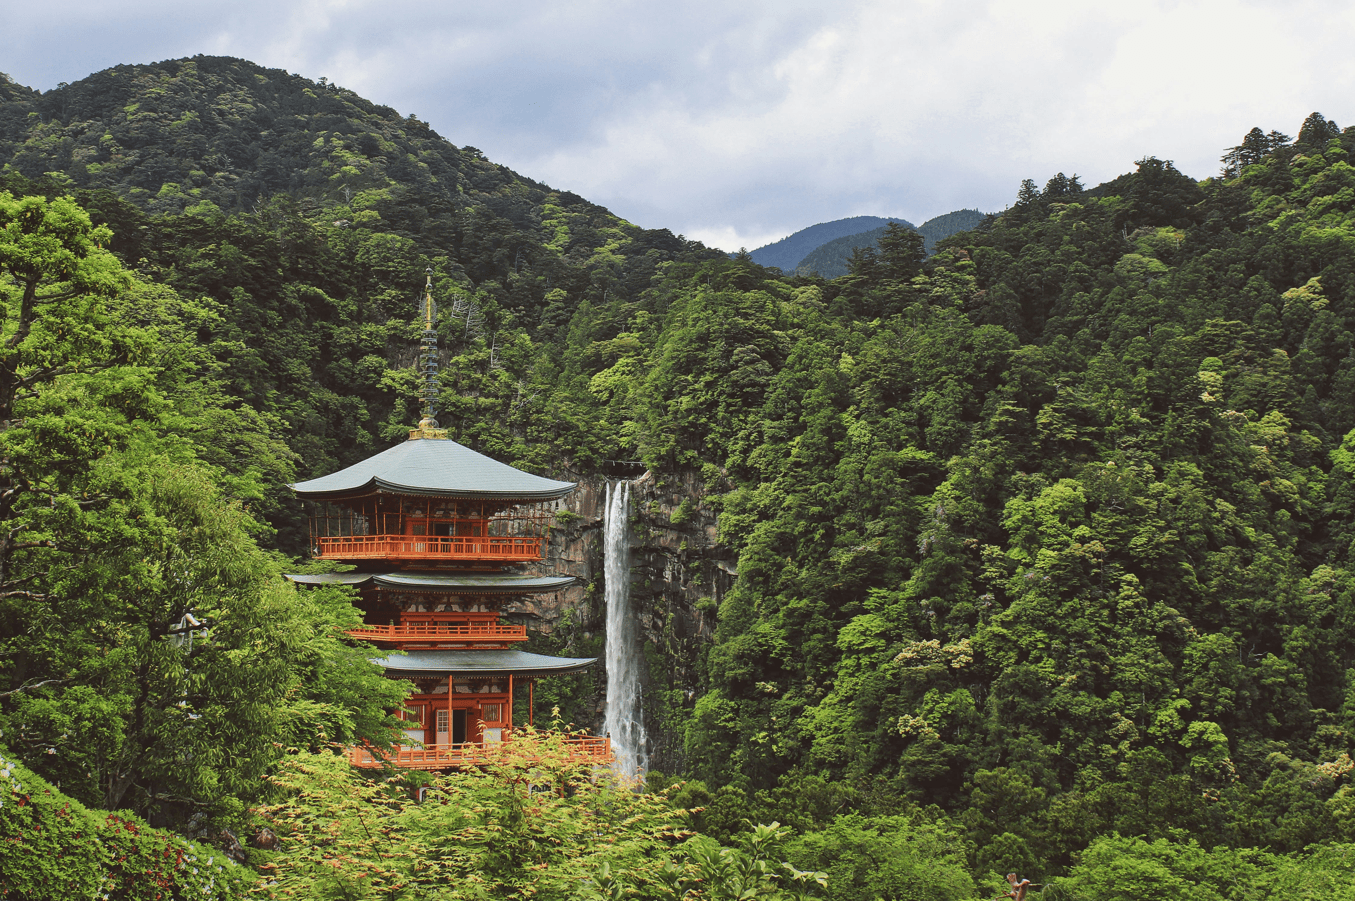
x=830 y=260
x=787 y=253
x=947 y=224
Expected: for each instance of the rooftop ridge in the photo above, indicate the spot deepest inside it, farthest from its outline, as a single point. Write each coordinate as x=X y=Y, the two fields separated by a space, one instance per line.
x=440 y=468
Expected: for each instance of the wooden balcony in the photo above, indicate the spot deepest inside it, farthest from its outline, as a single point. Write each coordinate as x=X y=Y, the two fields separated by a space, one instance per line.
x=435 y=547
x=583 y=749
x=432 y=634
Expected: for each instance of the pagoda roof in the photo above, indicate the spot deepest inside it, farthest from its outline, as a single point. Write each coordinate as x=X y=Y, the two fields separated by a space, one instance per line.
x=481 y=663
x=454 y=583
x=437 y=467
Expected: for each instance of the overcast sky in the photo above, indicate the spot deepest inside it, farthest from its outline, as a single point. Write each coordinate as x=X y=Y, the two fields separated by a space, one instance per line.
x=739 y=123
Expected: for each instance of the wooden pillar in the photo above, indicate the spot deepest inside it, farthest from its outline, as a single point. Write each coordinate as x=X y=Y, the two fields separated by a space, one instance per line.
x=531 y=702
x=508 y=724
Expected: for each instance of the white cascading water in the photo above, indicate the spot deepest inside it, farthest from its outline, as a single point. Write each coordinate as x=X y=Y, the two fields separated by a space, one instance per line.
x=624 y=720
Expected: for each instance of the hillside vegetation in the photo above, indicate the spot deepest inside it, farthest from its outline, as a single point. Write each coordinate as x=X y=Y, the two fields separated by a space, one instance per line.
x=1056 y=533
x=1044 y=541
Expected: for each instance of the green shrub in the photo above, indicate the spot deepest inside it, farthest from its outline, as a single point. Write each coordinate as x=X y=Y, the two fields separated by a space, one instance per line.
x=888 y=858
x=52 y=846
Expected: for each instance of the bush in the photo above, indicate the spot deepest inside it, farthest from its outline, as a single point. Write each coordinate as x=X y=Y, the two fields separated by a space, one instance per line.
x=886 y=858
x=52 y=846
x=1114 y=868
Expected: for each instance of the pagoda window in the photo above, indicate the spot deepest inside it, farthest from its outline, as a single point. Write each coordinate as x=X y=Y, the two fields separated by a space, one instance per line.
x=413 y=715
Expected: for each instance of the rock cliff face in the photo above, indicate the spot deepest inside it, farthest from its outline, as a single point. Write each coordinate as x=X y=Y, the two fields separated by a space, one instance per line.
x=679 y=574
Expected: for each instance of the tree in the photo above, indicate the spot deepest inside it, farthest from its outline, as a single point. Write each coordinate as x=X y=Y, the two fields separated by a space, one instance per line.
x=1316 y=131
x=862 y=261
x=886 y=857
x=1158 y=194
x=902 y=251
x=1063 y=188
x=57 y=277
x=1255 y=147
x=150 y=653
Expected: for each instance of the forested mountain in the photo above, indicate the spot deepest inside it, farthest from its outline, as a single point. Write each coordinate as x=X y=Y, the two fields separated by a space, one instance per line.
x=832 y=259
x=1044 y=542
x=304 y=216
x=176 y=134
x=790 y=250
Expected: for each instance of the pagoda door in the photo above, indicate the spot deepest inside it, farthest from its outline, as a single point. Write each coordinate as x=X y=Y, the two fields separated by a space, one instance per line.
x=443 y=724
x=458 y=727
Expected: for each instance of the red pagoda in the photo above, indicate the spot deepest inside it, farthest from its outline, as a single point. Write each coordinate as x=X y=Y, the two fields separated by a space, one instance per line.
x=436 y=534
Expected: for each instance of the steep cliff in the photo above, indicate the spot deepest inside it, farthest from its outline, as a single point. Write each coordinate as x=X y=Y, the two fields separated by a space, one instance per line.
x=679 y=573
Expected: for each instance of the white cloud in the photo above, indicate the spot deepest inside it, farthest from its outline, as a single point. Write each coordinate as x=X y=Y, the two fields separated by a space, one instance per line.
x=731 y=239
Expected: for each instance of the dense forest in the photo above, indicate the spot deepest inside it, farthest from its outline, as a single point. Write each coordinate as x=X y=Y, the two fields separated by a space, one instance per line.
x=1045 y=541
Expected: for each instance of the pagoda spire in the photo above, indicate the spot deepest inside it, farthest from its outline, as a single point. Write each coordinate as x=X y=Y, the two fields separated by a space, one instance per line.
x=428 y=364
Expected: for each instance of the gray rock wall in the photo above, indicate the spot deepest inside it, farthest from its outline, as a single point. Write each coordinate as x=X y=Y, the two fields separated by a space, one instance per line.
x=679 y=574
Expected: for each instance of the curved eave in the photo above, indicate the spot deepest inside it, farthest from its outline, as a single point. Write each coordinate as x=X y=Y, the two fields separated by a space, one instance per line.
x=374 y=485
x=441 y=582
x=469 y=664
x=473 y=584
x=327 y=578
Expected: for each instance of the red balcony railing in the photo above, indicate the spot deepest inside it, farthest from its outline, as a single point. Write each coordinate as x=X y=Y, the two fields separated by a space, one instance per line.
x=437 y=547
x=431 y=633
x=585 y=749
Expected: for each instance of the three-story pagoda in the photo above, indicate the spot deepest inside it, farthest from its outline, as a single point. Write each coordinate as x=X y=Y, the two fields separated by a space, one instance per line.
x=437 y=534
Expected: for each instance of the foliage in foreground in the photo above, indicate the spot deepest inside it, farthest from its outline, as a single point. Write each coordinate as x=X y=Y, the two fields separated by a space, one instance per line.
x=151 y=657
x=52 y=846
x=529 y=824
x=532 y=823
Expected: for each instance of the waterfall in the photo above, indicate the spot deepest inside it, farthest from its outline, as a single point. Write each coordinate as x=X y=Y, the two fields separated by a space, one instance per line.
x=624 y=721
